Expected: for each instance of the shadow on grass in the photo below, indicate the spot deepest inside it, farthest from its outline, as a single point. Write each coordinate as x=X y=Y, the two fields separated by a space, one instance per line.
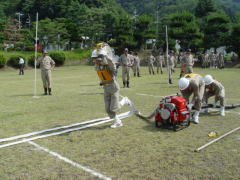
x=23 y=95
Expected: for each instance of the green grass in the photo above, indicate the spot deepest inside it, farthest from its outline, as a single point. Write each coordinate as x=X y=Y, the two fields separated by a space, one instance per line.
x=136 y=151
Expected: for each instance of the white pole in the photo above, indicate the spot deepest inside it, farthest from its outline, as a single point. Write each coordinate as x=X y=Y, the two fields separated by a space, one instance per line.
x=169 y=70
x=35 y=62
x=215 y=140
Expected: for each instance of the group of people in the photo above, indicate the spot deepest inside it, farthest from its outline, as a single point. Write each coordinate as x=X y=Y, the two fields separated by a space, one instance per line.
x=201 y=88
x=213 y=60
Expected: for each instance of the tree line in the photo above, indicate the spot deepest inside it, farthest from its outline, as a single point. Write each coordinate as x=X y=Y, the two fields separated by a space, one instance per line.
x=68 y=21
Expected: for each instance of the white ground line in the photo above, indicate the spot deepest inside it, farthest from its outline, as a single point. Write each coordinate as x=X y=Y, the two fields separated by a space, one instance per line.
x=127 y=114
x=148 y=95
x=92 y=172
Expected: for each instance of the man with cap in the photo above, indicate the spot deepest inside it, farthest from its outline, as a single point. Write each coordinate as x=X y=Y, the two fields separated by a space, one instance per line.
x=125 y=61
x=150 y=60
x=105 y=68
x=172 y=60
x=193 y=84
x=160 y=61
x=188 y=62
x=214 y=88
x=47 y=64
x=136 y=65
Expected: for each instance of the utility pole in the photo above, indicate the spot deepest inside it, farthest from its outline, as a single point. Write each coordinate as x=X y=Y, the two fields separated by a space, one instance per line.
x=28 y=21
x=19 y=19
x=157 y=24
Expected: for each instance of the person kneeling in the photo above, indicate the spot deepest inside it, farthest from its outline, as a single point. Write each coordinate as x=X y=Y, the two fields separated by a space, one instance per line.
x=193 y=84
x=214 y=88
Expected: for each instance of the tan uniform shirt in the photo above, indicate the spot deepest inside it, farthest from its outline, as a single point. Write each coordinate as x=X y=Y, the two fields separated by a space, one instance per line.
x=215 y=89
x=125 y=60
x=46 y=63
x=188 y=60
x=196 y=87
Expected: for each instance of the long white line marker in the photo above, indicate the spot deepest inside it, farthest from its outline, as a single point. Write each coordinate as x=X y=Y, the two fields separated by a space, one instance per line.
x=121 y=116
x=92 y=172
x=61 y=132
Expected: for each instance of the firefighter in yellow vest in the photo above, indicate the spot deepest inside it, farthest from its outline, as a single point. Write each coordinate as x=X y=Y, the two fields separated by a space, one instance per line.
x=193 y=84
x=214 y=88
x=105 y=68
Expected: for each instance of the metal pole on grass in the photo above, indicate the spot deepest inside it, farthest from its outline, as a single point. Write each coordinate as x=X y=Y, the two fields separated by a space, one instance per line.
x=215 y=140
x=35 y=62
x=169 y=70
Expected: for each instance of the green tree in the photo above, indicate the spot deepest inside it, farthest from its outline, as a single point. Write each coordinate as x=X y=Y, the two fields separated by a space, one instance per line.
x=142 y=30
x=183 y=27
x=204 y=7
x=216 y=31
x=123 y=33
x=235 y=39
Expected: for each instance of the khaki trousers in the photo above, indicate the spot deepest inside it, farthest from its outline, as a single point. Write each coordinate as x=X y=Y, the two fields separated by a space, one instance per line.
x=111 y=98
x=46 y=78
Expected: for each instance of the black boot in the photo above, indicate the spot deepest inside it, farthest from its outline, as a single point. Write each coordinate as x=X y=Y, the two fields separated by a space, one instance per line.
x=45 y=91
x=124 y=84
x=49 y=91
x=134 y=74
x=128 y=84
x=138 y=75
x=161 y=72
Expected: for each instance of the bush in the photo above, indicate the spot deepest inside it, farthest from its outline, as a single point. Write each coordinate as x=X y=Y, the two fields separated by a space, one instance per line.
x=31 y=60
x=14 y=60
x=2 y=61
x=29 y=48
x=58 y=57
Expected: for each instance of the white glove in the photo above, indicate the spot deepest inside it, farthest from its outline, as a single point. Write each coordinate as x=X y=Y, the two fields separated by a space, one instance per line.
x=190 y=105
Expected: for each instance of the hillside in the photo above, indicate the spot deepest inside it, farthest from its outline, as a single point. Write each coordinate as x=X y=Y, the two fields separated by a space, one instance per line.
x=231 y=7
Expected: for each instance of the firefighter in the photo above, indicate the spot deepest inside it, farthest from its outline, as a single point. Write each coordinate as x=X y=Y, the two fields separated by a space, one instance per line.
x=136 y=65
x=105 y=68
x=125 y=61
x=171 y=61
x=160 y=61
x=47 y=64
x=188 y=62
x=150 y=60
x=214 y=88
x=193 y=84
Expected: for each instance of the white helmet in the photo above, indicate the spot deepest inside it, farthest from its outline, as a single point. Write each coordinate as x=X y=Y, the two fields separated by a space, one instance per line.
x=102 y=51
x=208 y=79
x=183 y=83
x=94 y=54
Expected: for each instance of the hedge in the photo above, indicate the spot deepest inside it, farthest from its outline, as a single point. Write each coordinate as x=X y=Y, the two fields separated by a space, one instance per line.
x=2 y=61
x=13 y=61
x=58 y=57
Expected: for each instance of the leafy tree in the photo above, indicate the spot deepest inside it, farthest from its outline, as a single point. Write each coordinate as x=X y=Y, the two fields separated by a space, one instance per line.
x=123 y=33
x=216 y=31
x=183 y=27
x=204 y=7
x=235 y=39
x=142 y=30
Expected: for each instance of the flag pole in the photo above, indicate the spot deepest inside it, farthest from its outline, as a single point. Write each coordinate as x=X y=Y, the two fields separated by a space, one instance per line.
x=169 y=70
x=35 y=61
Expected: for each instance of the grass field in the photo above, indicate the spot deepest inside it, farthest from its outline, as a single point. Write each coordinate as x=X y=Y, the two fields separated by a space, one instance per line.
x=136 y=151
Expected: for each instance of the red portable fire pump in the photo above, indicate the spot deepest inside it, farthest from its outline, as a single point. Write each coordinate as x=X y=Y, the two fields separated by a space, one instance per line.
x=173 y=113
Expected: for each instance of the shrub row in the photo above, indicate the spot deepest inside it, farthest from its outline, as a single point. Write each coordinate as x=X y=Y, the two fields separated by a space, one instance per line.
x=58 y=57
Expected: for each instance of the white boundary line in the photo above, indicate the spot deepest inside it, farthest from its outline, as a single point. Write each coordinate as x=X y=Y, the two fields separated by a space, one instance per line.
x=94 y=173
x=140 y=94
x=127 y=114
x=67 y=126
